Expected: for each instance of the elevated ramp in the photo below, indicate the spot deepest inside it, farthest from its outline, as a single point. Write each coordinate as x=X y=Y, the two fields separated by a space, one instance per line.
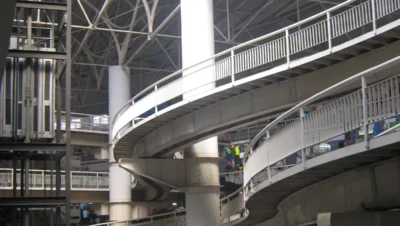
x=296 y=61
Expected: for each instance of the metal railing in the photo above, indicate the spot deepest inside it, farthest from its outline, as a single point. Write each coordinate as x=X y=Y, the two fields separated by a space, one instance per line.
x=176 y=218
x=46 y=180
x=233 y=207
x=332 y=30
x=355 y=113
x=86 y=123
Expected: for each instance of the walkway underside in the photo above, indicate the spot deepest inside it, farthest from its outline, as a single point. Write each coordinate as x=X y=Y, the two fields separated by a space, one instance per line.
x=230 y=107
x=264 y=200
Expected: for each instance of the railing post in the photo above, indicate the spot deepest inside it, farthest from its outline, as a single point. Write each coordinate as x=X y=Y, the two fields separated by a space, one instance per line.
x=328 y=20
x=12 y=178
x=396 y=96
x=268 y=165
x=43 y=179
x=155 y=105
x=287 y=48
x=233 y=65
x=373 y=16
x=303 y=153
x=91 y=122
x=365 y=115
x=97 y=181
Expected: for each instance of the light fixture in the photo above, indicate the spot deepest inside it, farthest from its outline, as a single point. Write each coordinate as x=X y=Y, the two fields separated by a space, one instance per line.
x=174 y=204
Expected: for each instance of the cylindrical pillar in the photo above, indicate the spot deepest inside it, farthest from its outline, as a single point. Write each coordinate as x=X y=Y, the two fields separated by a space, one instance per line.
x=197 y=45
x=202 y=193
x=203 y=189
x=119 y=180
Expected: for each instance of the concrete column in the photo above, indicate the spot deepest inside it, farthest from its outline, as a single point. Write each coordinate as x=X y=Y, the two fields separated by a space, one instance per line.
x=139 y=210
x=388 y=218
x=119 y=179
x=202 y=193
x=197 y=30
x=101 y=153
x=101 y=208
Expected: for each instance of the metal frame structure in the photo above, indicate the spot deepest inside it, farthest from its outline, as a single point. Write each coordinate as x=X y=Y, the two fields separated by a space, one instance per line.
x=101 y=34
x=41 y=180
x=30 y=32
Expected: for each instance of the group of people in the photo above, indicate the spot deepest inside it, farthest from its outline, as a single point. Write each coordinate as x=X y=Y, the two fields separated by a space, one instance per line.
x=234 y=157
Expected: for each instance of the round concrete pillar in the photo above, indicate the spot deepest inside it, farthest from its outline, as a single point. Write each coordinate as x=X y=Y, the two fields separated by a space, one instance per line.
x=120 y=181
x=202 y=193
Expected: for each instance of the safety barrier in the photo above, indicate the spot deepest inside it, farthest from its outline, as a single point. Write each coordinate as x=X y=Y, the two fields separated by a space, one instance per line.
x=233 y=208
x=363 y=113
x=322 y=34
x=176 y=218
x=43 y=179
x=86 y=123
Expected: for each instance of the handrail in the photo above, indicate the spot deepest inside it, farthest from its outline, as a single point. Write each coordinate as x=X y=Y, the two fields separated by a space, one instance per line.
x=319 y=95
x=232 y=194
x=232 y=49
x=81 y=180
x=86 y=122
x=283 y=48
x=140 y=219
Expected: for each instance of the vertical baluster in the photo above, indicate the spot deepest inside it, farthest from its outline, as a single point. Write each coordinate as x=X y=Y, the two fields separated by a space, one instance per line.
x=360 y=109
x=293 y=39
x=387 y=98
x=351 y=111
x=374 y=103
x=340 y=24
x=342 y=115
x=97 y=181
x=258 y=56
x=263 y=54
x=43 y=179
x=391 y=96
x=328 y=19
x=390 y=6
x=364 y=102
x=287 y=48
x=246 y=65
x=396 y=93
x=251 y=59
x=369 y=101
x=346 y=19
x=333 y=25
x=291 y=44
x=380 y=101
x=233 y=66
x=374 y=15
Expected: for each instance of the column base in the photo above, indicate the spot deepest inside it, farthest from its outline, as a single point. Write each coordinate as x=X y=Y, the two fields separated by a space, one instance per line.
x=203 y=209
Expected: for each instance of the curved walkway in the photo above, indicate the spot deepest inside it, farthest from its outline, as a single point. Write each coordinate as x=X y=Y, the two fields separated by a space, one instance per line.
x=141 y=122
x=321 y=40
x=269 y=177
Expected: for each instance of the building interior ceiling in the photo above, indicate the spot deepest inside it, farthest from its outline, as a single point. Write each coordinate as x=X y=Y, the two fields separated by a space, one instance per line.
x=145 y=36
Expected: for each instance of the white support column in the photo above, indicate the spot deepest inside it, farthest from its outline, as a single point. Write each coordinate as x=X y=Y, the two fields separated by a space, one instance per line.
x=119 y=179
x=202 y=193
x=197 y=45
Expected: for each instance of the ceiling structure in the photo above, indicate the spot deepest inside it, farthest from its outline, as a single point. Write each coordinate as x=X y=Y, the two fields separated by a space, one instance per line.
x=145 y=36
